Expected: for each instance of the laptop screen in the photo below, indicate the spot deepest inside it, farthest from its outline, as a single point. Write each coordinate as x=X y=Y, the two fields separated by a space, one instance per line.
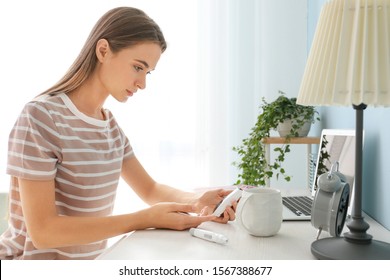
x=336 y=146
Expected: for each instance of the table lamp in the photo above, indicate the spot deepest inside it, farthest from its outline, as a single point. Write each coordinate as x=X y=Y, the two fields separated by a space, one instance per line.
x=349 y=65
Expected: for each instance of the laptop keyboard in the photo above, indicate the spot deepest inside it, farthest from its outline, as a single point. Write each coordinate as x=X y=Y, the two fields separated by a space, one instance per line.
x=300 y=205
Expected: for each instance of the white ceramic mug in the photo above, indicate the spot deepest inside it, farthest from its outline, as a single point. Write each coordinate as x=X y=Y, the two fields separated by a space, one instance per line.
x=259 y=211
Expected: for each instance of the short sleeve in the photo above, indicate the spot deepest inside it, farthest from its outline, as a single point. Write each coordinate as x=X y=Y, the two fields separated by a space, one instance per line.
x=128 y=149
x=33 y=146
x=125 y=142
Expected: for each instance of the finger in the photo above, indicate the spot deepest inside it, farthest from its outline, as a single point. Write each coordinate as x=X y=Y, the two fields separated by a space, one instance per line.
x=224 y=192
x=230 y=213
x=234 y=205
x=220 y=195
x=223 y=219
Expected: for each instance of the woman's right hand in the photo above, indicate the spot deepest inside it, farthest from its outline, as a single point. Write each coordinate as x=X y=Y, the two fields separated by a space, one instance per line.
x=175 y=216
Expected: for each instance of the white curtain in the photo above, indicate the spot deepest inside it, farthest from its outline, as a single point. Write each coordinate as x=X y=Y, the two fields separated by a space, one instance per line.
x=229 y=79
x=247 y=50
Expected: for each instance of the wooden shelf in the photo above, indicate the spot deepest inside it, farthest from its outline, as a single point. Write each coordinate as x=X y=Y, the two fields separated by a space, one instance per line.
x=296 y=140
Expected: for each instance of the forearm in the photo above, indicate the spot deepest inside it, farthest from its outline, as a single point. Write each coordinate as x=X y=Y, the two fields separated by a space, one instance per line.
x=149 y=190
x=60 y=231
x=165 y=193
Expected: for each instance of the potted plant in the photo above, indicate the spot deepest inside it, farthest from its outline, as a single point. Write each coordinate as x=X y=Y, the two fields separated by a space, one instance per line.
x=255 y=169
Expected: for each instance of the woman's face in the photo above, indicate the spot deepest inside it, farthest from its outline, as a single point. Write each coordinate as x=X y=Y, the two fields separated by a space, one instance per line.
x=123 y=73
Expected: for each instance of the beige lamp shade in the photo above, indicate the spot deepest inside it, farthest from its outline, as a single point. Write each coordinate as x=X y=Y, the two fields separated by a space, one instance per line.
x=349 y=61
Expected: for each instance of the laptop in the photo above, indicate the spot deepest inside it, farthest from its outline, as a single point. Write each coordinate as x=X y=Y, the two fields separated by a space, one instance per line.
x=336 y=145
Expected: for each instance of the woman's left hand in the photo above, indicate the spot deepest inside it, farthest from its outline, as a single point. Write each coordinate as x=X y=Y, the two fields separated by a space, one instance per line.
x=209 y=200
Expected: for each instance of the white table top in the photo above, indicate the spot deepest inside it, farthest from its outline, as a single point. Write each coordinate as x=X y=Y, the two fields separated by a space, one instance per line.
x=292 y=242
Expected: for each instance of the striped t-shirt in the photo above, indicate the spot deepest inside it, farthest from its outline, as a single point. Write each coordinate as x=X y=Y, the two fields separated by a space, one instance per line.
x=53 y=140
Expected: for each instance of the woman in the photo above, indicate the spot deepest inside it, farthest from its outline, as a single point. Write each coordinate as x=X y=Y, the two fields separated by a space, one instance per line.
x=66 y=153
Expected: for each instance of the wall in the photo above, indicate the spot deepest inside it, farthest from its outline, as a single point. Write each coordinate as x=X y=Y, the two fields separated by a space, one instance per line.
x=376 y=167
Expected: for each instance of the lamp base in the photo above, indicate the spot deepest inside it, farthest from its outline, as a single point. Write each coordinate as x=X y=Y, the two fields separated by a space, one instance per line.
x=338 y=248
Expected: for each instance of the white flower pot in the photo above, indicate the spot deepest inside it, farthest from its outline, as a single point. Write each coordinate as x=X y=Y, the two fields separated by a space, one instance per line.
x=284 y=128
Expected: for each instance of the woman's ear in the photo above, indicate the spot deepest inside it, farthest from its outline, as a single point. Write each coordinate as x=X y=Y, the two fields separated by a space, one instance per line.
x=102 y=48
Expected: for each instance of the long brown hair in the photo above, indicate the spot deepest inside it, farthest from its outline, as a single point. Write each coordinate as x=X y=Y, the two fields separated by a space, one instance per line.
x=122 y=27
